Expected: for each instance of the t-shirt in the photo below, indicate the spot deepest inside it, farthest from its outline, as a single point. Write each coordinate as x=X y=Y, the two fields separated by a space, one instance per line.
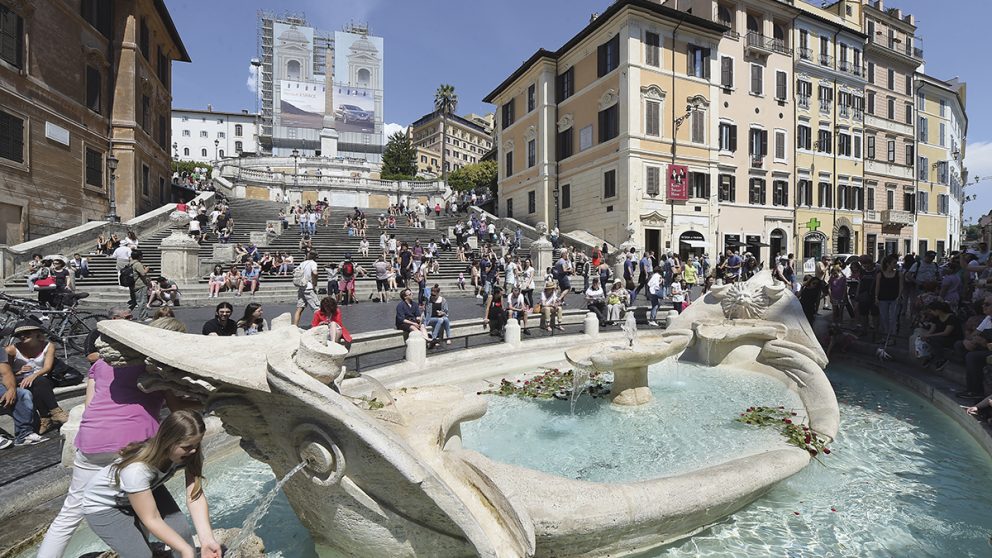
x=122 y=254
x=225 y=330
x=309 y=268
x=734 y=265
x=119 y=412
x=381 y=270
x=924 y=272
x=103 y=493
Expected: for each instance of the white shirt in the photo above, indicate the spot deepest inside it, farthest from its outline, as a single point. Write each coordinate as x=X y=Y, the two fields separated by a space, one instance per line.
x=654 y=284
x=103 y=493
x=549 y=300
x=986 y=324
x=122 y=253
x=309 y=268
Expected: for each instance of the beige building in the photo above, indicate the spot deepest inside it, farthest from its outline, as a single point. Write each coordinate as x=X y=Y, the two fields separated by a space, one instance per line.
x=468 y=140
x=589 y=135
x=80 y=81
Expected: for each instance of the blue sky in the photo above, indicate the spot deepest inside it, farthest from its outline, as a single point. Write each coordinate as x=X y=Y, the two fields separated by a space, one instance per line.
x=471 y=45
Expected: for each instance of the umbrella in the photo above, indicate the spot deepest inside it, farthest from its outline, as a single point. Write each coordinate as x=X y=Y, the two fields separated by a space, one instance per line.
x=54 y=257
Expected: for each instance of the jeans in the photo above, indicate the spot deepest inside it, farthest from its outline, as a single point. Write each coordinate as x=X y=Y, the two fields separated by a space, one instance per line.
x=84 y=467
x=888 y=314
x=122 y=530
x=598 y=308
x=438 y=324
x=139 y=299
x=655 y=301
x=974 y=365
x=23 y=412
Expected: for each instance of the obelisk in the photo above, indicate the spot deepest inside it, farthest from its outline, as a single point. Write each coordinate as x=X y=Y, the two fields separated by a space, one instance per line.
x=328 y=134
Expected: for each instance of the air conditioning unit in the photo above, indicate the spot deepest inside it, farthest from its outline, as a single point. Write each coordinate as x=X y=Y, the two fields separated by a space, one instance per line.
x=757 y=162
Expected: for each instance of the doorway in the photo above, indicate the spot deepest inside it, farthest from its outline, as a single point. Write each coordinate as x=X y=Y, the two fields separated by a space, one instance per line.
x=691 y=243
x=813 y=245
x=777 y=245
x=843 y=240
x=652 y=241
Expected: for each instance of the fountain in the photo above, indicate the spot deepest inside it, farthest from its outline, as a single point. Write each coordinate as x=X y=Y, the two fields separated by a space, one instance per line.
x=395 y=480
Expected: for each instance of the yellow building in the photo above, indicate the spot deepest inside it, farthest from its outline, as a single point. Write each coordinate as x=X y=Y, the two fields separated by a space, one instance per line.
x=467 y=141
x=589 y=134
x=941 y=129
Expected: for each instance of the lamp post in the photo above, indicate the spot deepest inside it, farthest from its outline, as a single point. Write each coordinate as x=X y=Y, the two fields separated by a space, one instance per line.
x=175 y=150
x=296 y=168
x=112 y=166
x=216 y=146
x=257 y=64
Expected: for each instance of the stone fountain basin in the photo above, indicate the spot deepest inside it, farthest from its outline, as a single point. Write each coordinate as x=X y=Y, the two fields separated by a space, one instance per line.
x=610 y=357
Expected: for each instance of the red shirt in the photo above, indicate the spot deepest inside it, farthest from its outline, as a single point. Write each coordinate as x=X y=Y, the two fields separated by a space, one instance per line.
x=320 y=319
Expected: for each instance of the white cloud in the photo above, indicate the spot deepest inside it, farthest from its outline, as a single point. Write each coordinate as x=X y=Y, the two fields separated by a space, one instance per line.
x=391 y=128
x=978 y=161
x=252 y=82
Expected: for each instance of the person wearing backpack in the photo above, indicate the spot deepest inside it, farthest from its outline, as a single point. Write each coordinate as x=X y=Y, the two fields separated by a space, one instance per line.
x=348 y=280
x=134 y=276
x=304 y=279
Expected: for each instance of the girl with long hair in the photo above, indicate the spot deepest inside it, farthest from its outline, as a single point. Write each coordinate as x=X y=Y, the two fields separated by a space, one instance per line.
x=128 y=498
x=253 y=321
x=217 y=281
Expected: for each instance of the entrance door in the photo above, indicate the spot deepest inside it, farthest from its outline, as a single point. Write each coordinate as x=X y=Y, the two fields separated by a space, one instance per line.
x=891 y=247
x=872 y=239
x=691 y=243
x=777 y=244
x=843 y=240
x=812 y=247
x=652 y=240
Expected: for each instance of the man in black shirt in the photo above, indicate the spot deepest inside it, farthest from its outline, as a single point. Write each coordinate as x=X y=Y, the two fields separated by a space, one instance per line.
x=222 y=324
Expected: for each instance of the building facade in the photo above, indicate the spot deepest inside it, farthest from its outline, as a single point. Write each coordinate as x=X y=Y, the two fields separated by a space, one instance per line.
x=205 y=136
x=467 y=142
x=79 y=82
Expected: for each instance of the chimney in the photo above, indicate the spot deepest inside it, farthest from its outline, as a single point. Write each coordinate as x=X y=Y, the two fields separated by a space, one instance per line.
x=592 y=17
x=210 y=108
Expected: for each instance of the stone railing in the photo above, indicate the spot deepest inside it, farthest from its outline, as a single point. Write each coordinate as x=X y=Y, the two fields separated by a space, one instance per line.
x=240 y=175
x=14 y=259
x=581 y=240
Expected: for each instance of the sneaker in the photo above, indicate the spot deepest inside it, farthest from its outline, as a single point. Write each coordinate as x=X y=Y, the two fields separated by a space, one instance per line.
x=479 y=296
x=5 y=442
x=30 y=440
x=653 y=323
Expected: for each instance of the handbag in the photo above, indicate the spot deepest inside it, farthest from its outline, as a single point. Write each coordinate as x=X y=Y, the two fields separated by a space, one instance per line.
x=63 y=375
x=45 y=283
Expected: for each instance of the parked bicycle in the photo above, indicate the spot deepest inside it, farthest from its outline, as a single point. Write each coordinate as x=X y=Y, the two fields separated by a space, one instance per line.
x=68 y=328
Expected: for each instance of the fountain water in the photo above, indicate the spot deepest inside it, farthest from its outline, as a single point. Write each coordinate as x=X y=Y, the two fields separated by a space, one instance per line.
x=251 y=522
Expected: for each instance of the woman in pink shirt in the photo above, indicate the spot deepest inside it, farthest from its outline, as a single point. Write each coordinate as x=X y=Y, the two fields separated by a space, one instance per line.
x=117 y=413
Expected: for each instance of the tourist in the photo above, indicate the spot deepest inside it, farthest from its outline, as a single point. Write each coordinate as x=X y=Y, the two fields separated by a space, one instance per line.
x=80 y=266
x=951 y=284
x=266 y=263
x=551 y=301
x=596 y=301
x=494 y=314
x=127 y=499
x=305 y=244
x=19 y=402
x=347 y=283
x=809 y=296
x=690 y=275
x=168 y=291
x=330 y=315
x=363 y=247
x=976 y=348
x=140 y=283
x=408 y=317
x=117 y=413
x=31 y=358
x=677 y=291
x=888 y=296
x=867 y=309
x=945 y=330
x=221 y=324
x=250 y=278
x=253 y=321
x=130 y=240
x=645 y=270
x=519 y=308
x=232 y=280
x=306 y=287
x=732 y=266
x=436 y=312
x=837 y=287
x=382 y=272
x=163 y=312
x=616 y=301
x=285 y=264
x=562 y=270
x=122 y=257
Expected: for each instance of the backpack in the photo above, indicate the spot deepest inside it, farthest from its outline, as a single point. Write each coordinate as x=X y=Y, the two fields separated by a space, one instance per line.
x=127 y=276
x=348 y=269
x=299 y=278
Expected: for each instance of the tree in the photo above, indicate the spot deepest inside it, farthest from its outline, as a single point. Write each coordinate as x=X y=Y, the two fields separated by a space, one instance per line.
x=399 y=159
x=445 y=102
x=478 y=176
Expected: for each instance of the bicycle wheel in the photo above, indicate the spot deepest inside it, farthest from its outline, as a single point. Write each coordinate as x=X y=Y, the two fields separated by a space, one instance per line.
x=79 y=330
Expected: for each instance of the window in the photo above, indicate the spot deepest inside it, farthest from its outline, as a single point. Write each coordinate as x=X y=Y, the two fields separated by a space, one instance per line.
x=531 y=97
x=924 y=132
x=922 y=202
x=238 y=130
x=871 y=147
x=942 y=172
x=698 y=62
x=780 y=193
x=824 y=51
x=909 y=155
x=871 y=102
x=942 y=204
x=857 y=144
x=921 y=100
x=871 y=72
x=826 y=97
x=756 y=192
x=11 y=137
x=203 y=133
x=163 y=68
x=146 y=112
x=825 y=193
x=186 y=151
x=143 y=43
x=757 y=85
x=185 y=133
x=725 y=191
x=566 y=85
x=566 y=196
x=891 y=108
x=890 y=199
x=221 y=154
x=93 y=89
x=163 y=132
x=239 y=147
x=221 y=135
x=804 y=91
x=804 y=139
x=727 y=72
x=699 y=185
x=608 y=56
x=781 y=85
x=652 y=118
x=891 y=151
x=892 y=80
x=804 y=193
x=609 y=184
x=843 y=200
x=779 y=145
x=923 y=168
x=564 y=144
x=98 y=14
x=728 y=137
x=509 y=163
x=652 y=49
x=698 y=127
x=843 y=144
x=509 y=208
x=824 y=141
x=203 y=152
x=531 y=153
x=909 y=202
x=725 y=16
x=909 y=113
x=609 y=123
x=909 y=84
x=94 y=168
x=871 y=199
x=531 y=202
x=943 y=109
x=145 y=179
x=508 y=114
x=943 y=134
x=652 y=180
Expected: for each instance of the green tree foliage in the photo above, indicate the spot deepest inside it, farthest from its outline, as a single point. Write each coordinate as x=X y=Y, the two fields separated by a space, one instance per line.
x=478 y=176
x=189 y=166
x=399 y=159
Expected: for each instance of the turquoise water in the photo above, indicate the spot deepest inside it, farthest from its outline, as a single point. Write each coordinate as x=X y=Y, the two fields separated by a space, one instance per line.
x=904 y=480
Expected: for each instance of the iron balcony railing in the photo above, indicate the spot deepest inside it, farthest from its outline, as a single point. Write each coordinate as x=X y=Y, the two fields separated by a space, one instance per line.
x=826 y=60
x=804 y=101
x=758 y=41
x=806 y=53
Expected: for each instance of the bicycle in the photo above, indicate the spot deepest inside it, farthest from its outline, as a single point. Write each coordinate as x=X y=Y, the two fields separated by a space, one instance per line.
x=67 y=327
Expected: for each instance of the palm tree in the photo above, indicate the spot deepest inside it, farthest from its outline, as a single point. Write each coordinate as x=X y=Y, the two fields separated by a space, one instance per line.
x=445 y=102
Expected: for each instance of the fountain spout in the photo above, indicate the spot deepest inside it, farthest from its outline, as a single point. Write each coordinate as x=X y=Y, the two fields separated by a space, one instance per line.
x=629 y=328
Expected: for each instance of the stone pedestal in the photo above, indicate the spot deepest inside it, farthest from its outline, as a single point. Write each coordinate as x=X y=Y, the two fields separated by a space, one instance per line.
x=630 y=386
x=473 y=242
x=430 y=224
x=276 y=225
x=259 y=238
x=416 y=349
x=223 y=253
x=511 y=333
x=181 y=257
x=591 y=325
x=329 y=143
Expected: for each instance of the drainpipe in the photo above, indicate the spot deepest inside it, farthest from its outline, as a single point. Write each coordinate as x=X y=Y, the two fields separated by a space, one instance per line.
x=795 y=152
x=836 y=137
x=554 y=126
x=671 y=217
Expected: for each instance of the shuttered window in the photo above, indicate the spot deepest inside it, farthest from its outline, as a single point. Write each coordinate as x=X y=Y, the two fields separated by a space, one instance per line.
x=653 y=181
x=652 y=49
x=11 y=33
x=780 y=85
x=94 y=168
x=727 y=72
x=11 y=137
x=698 y=127
x=652 y=116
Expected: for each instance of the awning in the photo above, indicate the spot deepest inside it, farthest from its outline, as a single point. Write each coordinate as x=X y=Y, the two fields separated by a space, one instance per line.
x=759 y=244
x=696 y=243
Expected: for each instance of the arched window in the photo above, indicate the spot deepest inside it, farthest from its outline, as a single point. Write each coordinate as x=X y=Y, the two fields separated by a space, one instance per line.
x=221 y=152
x=364 y=77
x=753 y=24
x=203 y=153
x=237 y=147
x=293 y=69
x=237 y=130
x=725 y=16
x=186 y=151
x=778 y=32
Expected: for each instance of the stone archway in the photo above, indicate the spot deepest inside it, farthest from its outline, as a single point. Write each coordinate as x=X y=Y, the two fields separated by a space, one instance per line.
x=843 y=236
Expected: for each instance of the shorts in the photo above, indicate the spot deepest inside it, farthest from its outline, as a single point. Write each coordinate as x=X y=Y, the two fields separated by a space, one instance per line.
x=332 y=287
x=381 y=284
x=306 y=297
x=867 y=308
x=347 y=285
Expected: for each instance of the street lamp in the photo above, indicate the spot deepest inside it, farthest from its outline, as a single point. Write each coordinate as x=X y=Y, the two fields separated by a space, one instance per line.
x=175 y=150
x=112 y=166
x=296 y=168
x=216 y=146
x=257 y=64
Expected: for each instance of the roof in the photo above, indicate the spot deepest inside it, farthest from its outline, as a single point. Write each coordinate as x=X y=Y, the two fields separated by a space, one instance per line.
x=463 y=121
x=213 y=112
x=170 y=26
x=953 y=88
x=594 y=25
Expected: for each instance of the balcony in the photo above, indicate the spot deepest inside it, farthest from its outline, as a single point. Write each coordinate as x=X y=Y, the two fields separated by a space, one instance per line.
x=893 y=217
x=825 y=60
x=803 y=101
x=757 y=162
x=851 y=68
x=730 y=33
x=806 y=54
x=760 y=44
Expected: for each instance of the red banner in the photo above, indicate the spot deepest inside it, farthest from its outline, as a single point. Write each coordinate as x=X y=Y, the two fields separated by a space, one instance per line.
x=678 y=182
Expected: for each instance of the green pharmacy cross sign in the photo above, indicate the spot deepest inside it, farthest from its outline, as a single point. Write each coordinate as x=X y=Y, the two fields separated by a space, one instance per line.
x=813 y=224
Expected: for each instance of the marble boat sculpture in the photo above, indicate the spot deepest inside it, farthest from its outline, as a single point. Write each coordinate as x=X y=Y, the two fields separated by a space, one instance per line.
x=395 y=481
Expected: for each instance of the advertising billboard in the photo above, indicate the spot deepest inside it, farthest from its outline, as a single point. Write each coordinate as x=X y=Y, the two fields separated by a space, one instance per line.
x=678 y=182
x=354 y=108
x=301 y=104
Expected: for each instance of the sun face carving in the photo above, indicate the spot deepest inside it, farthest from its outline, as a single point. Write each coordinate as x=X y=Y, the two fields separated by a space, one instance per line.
x=741 y=301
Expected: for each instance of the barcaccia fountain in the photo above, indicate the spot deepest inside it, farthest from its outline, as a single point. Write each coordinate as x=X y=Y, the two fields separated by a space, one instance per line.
x=395 y=480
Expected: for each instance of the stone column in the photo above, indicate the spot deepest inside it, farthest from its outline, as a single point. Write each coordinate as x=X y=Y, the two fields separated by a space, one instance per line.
x=591 y=325
x=180 y=257
x=416 y=349
x=541 y=250
x=511 y=333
